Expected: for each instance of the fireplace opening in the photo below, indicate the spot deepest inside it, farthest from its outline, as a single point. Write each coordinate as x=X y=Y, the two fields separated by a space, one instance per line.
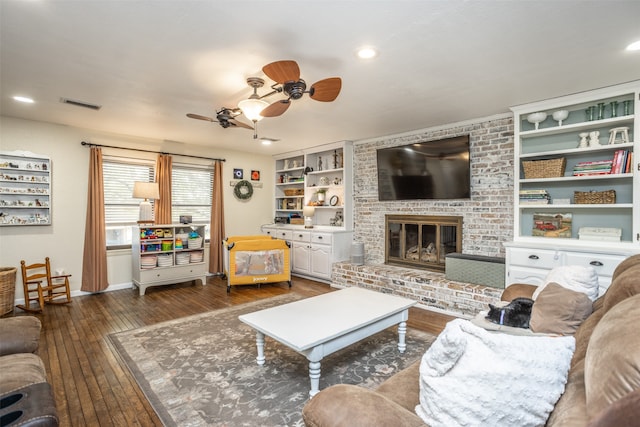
x=422 y=241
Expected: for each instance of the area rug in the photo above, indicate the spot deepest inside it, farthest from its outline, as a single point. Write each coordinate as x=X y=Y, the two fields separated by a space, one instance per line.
x=201 y=370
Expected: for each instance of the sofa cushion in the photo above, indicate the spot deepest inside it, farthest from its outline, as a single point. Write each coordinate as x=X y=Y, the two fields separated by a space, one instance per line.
x=632 y=261
x=575 y=277
x=346 y=405
x=20 y=370
x=624 y=286
x=612 y=363
x=19 y=334
x=404 y=387
x=583 y=335
x=571 y=409
x=493 y=376
x=622 y=413
x=559 y=310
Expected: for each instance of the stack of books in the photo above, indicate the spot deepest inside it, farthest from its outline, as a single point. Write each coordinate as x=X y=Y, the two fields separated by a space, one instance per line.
x=534 y=197
x=598 y=167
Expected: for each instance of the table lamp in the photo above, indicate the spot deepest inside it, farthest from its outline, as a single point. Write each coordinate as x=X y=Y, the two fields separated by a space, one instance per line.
x=146 y=191
x=308 y=212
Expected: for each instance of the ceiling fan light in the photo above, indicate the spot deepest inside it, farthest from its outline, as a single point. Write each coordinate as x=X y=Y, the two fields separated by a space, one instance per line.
x=252 y=107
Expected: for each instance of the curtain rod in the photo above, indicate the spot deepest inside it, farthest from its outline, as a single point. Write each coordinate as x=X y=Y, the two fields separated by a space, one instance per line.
x=90 y=144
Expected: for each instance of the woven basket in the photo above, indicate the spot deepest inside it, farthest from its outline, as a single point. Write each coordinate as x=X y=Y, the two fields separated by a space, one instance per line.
x=7 y=289
x=294 y=192
x=594 y=197
x=552 y=168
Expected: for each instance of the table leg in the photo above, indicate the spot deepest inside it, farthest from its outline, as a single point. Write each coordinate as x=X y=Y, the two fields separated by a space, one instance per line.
x=314 y=374
x=260 y=344
x=402 y=332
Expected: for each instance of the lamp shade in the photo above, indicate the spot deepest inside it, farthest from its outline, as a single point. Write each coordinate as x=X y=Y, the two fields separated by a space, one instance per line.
x=308 y=211
x=252 y=107
x=146 y=190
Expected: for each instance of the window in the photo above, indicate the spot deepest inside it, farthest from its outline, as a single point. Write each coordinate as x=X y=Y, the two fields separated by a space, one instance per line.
x=191 y=188
x=120 y=208
x=190 y=195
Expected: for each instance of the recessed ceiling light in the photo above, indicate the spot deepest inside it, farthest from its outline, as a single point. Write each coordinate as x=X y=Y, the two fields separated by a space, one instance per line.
x=634 y=46
x=23 y=99
x=265 y=142
x=367 y=53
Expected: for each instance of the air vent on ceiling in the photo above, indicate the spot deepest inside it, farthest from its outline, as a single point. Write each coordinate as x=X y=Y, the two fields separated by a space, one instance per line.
x=80 y=104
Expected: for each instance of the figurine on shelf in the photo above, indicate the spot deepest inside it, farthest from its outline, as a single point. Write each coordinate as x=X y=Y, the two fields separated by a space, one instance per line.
x=584 y=142
x=594 y=139
x=319 y=163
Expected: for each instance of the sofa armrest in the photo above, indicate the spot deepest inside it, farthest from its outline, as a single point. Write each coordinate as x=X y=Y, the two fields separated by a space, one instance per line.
x=345 y=405
x=518 y=290
x=19 y=334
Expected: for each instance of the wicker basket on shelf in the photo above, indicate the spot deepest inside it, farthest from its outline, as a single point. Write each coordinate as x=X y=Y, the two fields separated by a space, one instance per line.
x=294 y=192
x=594 y=197
x=551 y=168
x=7 y=289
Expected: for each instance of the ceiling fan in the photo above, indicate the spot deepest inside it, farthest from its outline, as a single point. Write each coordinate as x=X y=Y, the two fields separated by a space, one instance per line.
x=226 y=117
x=286 y=74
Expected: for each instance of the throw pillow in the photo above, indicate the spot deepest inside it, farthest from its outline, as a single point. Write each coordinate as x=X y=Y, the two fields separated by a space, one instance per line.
x=574 y=277
x=559 y=310
x=470 y=376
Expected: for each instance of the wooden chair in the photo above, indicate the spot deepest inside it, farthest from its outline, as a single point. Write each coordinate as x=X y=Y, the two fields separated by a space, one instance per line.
x=42 y=287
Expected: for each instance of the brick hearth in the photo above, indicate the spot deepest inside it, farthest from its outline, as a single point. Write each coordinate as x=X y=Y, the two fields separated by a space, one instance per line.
x=429 y=288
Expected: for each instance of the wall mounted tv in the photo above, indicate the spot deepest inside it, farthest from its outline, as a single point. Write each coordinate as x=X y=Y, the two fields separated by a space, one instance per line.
x=425 y=170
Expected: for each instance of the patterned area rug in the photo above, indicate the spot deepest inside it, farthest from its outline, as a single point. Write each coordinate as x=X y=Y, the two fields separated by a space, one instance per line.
x=201 y=370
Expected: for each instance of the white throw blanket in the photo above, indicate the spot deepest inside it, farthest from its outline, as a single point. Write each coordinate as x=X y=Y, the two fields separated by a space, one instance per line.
x=473 y=377
x=574 y=277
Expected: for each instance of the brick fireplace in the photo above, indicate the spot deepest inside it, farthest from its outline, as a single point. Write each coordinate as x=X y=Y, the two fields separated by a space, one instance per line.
x=421 y=241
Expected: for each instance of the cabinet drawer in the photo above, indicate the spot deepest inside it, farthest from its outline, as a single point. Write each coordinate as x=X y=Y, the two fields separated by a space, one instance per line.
x=178 y=272
x=301 y=236
x=538 y=258
x=325 y=238
x=603 y=264
x=282 y=234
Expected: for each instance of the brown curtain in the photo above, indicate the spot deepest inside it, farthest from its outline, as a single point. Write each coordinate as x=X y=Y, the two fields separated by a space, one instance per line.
x=162 y=206
x=216 y=261
x=94 y=261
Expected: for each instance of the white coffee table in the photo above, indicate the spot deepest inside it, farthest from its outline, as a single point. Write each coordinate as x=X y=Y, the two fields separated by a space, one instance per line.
x=318 y=326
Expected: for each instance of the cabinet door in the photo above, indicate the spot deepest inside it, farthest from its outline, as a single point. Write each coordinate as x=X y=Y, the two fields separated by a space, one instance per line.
x=321 y=261
x=300 y=258
x=531 y=276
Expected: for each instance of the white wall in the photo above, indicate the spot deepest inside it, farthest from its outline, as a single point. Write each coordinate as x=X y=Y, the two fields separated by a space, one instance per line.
x=63 y=240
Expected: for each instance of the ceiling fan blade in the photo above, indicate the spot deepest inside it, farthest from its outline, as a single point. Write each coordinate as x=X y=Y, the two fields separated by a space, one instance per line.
x=326 y=90
x=282 y=71
x=239 y=124
x=199 y=117
x=276 y=109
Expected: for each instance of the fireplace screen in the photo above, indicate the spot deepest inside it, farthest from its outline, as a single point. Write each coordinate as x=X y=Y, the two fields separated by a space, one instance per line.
x=422 y=241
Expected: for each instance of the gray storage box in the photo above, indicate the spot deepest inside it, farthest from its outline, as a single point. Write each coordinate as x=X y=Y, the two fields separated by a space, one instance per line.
x=476 y=269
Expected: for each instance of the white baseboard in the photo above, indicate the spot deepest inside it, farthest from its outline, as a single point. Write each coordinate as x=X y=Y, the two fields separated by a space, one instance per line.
x=79 y=293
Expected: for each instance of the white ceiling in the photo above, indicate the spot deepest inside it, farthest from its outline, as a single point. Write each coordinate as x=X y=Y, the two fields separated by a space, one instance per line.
x=148 y=63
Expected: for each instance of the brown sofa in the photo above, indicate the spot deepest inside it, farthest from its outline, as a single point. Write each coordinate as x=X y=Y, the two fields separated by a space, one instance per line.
x=25 y=395
x=603 y=387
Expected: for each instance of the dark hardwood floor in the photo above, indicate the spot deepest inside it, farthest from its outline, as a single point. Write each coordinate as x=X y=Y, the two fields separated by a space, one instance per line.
x=92 y=385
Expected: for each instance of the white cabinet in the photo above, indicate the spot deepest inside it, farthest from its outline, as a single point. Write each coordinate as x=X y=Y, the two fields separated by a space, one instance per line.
x=577 y=184
x=320 y=177
x=168 y=254
x=25 y=189
x=531 y=263
x=313 y=251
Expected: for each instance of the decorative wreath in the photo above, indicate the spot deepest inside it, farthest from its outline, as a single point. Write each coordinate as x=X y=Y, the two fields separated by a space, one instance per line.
x=243 y=190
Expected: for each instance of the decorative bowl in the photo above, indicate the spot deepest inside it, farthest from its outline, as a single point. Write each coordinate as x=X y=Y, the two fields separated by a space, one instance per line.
x=536 y=118
x=560 y=115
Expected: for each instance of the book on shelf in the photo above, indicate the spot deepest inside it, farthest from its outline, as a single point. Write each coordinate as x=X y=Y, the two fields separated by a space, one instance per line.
x=621 y=162
x=552 y=225
x=534 y=197
x=598 y=167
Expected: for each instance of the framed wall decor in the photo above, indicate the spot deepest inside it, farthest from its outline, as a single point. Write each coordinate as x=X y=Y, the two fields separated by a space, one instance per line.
x=25 y=188
x=255 y=175
x=238 y=173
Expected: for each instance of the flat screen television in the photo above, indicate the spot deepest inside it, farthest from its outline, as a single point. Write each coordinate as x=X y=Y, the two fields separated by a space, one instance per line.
x=425 y=170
